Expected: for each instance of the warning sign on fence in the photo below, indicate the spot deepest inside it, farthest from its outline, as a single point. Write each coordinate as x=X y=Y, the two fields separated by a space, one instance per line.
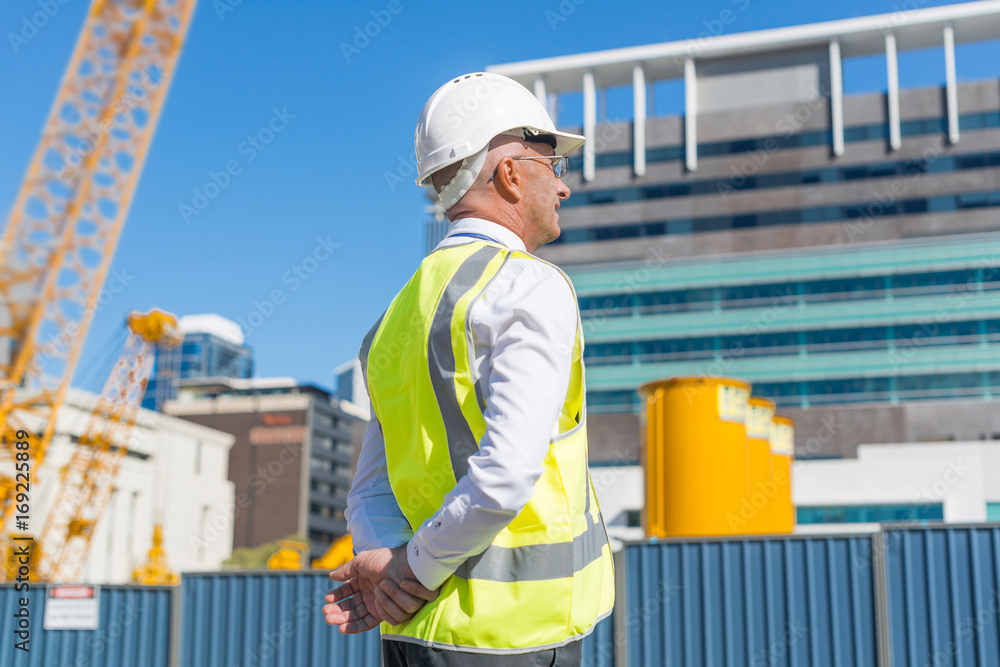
x=72 y=607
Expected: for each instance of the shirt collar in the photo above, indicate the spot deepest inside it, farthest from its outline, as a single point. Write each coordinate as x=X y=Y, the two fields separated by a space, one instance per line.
x=498 y=233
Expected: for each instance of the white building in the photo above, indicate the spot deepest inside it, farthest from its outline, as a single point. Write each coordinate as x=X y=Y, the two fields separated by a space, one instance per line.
x=957 y=482
x=351 y=388
x=621 y=493
x=175 y=471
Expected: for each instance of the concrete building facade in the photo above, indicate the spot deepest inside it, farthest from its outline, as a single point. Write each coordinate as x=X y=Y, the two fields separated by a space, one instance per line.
x=291 y=463
x=174 y=472
x=834 y=250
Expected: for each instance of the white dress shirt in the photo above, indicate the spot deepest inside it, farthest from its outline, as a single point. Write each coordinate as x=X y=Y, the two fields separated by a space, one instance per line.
x=523 y=331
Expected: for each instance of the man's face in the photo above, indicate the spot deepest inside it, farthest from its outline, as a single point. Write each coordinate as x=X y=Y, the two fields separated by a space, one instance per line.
x=543 y=194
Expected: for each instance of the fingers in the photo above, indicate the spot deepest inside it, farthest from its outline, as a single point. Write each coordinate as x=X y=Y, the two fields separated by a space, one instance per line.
x=336 y=615
x=343 y=592
x=345 y=571
x=364 y=625
x=388 y=609
x=345 y=612
x=415 y=588
x=404 y=600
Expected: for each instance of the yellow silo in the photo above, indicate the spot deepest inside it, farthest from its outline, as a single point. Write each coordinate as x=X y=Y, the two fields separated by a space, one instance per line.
x=694 y=451
x=761 y=490
x=782 y=509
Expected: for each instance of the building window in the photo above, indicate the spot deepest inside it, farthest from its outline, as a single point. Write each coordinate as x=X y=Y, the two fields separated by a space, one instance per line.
x=324 y=511
x=320 y=464
x=993 y=512
x=320 y=487
x=869 y=513
x=875 y=132
x=853 y=211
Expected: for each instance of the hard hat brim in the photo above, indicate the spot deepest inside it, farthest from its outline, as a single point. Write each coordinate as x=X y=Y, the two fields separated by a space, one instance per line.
x=566 y=143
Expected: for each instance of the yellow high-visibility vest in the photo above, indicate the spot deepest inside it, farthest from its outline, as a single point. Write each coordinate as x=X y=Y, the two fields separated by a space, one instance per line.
x=548 y=577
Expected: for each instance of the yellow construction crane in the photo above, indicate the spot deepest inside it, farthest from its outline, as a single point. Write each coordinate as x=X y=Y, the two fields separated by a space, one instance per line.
x=88 y=480
x=291 y=555
x=69 y=212
x=156 y=571
x=339 y=553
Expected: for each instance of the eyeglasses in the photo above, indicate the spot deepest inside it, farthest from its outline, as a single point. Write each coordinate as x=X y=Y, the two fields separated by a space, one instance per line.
x=560 y=164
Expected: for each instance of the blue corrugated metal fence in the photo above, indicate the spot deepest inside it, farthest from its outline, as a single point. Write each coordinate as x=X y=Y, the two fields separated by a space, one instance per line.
x=265 y=619
x=908 y=596
x=269 y=619
x=750 y=602
x=943 y=595
x=134 y=629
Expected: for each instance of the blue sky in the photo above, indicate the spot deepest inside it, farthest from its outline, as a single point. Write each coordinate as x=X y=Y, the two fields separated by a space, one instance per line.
x=320 y=189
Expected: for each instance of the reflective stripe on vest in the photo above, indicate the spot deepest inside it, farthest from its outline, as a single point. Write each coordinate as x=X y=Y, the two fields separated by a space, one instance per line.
x=547 y=577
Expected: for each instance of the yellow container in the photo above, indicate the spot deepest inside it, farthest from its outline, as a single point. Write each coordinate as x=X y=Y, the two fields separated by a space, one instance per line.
x=782 y=513
x=754 y=508
x=694 y=451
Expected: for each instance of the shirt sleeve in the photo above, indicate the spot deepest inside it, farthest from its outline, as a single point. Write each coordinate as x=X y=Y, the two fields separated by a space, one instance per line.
x=528 y=320
x=373 y=515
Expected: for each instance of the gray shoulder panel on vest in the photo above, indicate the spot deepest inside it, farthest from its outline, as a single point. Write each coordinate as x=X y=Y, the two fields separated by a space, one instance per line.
x=366 y=346
x=441 y=359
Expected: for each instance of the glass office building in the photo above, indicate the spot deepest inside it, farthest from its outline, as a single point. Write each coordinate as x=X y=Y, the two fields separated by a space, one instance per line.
x=835 y=250
x=212 y=348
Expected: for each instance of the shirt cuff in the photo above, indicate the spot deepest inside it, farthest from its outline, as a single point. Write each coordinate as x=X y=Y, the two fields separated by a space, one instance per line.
x=429 y=571
x=390 y=541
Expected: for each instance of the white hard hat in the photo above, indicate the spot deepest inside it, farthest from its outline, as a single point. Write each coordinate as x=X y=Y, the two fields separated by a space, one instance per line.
x=463 y=115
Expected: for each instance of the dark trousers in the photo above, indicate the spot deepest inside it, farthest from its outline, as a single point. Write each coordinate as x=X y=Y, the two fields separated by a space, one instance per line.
x=406 y=654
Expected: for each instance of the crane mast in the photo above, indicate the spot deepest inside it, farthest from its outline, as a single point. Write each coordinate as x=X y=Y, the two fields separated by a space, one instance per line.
x=88 y=480
x=68 y=214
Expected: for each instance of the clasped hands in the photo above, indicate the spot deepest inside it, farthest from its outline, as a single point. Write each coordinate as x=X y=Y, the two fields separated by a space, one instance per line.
x=379 y=586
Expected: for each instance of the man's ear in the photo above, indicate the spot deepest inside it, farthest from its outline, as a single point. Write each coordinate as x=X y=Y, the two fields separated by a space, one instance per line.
x=509 y=180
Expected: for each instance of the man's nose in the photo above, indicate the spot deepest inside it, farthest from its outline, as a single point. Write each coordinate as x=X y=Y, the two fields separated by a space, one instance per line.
x=562 y=190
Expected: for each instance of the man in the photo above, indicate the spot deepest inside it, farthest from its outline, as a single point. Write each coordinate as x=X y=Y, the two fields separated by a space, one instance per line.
x=481 y=541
